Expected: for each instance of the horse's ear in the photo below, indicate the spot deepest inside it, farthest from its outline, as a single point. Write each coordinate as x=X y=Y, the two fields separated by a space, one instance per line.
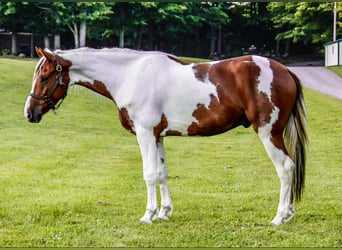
x=39 y=51
x=47 y=53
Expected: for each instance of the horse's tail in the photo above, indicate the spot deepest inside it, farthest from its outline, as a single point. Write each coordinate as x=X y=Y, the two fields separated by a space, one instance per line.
x=296 y=140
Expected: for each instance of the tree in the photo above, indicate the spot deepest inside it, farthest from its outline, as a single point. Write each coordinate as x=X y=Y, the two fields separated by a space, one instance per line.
x=306 y=22
x=13 y=16
x=75 y=16
x=184 y=28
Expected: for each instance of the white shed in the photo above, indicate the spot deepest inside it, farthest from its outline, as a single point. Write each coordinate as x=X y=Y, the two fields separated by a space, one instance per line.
x=333 y=53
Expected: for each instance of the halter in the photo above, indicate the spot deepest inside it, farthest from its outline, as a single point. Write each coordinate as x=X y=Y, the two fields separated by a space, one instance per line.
x=59 y=82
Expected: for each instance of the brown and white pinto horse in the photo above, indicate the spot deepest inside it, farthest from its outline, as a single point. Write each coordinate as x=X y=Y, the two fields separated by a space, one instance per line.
x=158 y=95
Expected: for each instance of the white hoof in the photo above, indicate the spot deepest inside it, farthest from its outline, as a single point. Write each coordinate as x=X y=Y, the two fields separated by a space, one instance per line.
x=165 y=212
x=277 y=221
x=149 y=216
x=163 y=217
x=284 y=218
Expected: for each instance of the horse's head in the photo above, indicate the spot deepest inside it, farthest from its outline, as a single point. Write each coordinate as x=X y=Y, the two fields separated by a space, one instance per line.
x=49 y=85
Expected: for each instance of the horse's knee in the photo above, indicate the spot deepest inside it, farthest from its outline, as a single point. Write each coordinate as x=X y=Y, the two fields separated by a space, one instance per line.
x=150 y=176
x=162 y=176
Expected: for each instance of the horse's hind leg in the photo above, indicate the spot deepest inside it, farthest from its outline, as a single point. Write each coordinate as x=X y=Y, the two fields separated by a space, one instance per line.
x=166 y=203
x=276 y=150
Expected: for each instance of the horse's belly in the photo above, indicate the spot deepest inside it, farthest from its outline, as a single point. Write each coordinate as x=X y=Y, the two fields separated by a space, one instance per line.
x=205 y=122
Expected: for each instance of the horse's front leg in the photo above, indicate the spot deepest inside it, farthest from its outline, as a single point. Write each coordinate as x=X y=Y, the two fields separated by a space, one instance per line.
x=166 y=203
x=148 y=149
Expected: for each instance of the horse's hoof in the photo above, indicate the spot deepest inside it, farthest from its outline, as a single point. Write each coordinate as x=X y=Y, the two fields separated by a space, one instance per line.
x=165 y=212
x=276 y=221
x=163 y=217
x=149 y=216
x=145 y=220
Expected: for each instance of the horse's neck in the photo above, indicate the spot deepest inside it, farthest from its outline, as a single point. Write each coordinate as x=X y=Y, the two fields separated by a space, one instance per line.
x=114 y=69
x=89 y=65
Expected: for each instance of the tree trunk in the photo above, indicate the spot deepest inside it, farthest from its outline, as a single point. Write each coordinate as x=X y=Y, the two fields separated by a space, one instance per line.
x=287 y=47
x=139 y=38
x=150 y=36
x=83 y=30
x=74 y=30
x=198 y=43
x=122 y=37
x=212 y=42
x=277 y=47
x=32 y=51
x=46 y=41
x=57 y=41
x=14 y=49
x=122 y=24
x=219 y=41
x=76 y=37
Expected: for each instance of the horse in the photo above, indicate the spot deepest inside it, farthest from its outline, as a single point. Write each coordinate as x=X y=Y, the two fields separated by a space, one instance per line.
x=159 y=95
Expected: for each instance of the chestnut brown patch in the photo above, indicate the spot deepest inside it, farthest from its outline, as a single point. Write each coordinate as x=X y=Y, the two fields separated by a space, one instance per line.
x=98 y=87
x=201 y=71
x=173 y=133
x=162 y=126
x=235 y=80
x=214 y=119
x=126 y=121
x=283 y=95
x=265 y=108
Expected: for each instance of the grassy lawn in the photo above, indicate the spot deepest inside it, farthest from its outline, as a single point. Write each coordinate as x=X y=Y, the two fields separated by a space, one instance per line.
x=75 y=180
x=336 y=69
x=195 y=60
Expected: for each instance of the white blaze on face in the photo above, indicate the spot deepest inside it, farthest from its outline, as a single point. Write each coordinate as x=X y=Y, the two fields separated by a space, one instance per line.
x=266 y=75
x=35 y=74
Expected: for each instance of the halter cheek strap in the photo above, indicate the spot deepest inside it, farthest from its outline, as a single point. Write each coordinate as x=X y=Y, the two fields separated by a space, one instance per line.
x=58 y=82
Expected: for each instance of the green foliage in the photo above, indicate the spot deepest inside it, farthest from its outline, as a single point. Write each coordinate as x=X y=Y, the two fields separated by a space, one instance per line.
x=309 y=22
x=75 y=180
x=13 y=15
x=202 y=27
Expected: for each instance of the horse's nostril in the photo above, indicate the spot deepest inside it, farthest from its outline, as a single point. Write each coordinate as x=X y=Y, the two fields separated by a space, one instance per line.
x=33 y=116
x=29 y=115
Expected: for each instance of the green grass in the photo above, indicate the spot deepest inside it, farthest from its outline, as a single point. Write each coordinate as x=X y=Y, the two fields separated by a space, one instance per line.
x=194 y=60
x=336 y=69
x=75 y=180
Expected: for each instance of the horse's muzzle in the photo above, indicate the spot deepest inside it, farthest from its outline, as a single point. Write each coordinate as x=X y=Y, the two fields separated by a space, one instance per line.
x=34 y=116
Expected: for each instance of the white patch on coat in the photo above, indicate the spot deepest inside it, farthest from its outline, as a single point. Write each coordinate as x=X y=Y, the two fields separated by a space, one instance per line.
x=266 y=75
x=264 y=132
x=277 y=156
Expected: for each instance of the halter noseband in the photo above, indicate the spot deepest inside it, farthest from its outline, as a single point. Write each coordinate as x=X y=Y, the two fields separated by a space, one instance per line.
x=59 y=82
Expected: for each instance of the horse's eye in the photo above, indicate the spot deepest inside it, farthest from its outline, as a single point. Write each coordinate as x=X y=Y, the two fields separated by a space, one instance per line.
x=45 y=79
